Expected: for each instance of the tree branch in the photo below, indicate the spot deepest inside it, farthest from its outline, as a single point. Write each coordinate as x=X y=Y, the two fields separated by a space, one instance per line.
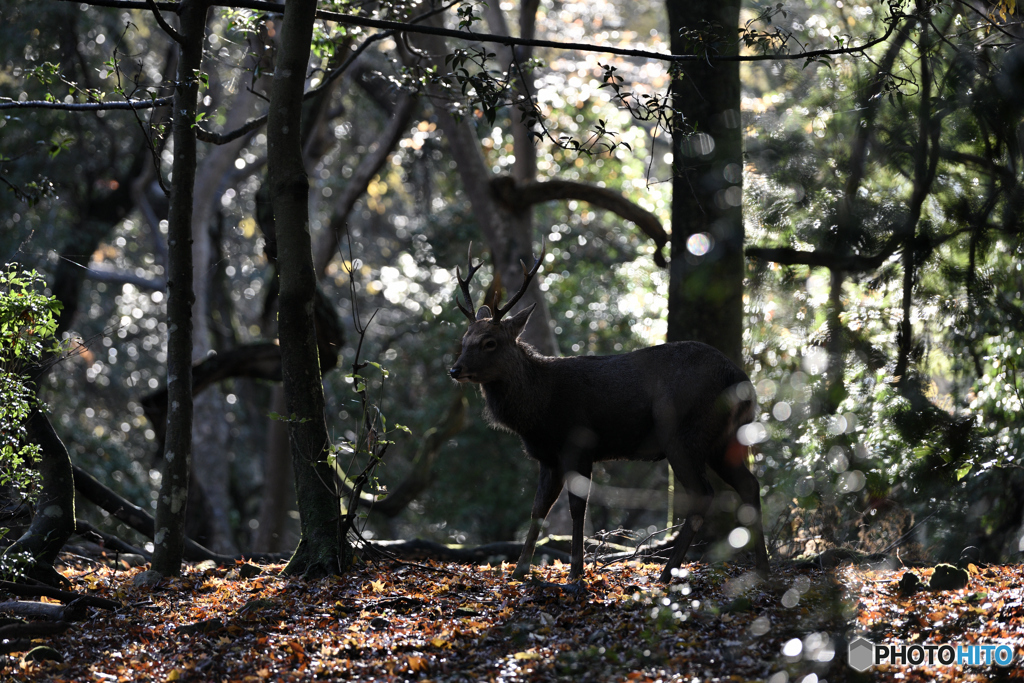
x=89 y=106
x=58 y=594
x=367 y=22
x=168 y=29
x=121 y=277
x=360 y=180
x=517 y=197
x=849 y=263
x=421 y=475
x=140 y=520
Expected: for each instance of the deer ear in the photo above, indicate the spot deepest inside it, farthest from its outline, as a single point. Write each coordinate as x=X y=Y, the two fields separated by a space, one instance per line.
x=518 y=322
x=483 y=312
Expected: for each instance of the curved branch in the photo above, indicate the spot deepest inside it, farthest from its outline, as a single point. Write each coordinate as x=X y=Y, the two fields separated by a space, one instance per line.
x=517 y=197
x=168 y=29
x=204 y=135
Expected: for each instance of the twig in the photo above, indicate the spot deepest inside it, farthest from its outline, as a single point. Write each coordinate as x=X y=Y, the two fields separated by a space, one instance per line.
x=168 y=29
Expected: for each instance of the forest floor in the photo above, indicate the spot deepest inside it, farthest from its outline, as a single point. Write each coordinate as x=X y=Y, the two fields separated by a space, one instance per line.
x=406 y=621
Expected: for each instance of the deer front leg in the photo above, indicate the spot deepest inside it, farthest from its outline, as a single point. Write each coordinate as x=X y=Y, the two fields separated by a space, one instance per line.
x=548 y=487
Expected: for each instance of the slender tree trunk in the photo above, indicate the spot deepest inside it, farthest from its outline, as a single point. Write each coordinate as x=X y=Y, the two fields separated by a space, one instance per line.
x=706 y=289
x=169 y=540
x=210 y=431
x=54 y=519
x=278 y=483
x=836 y=344
x=519 y=243
x=924 y=174
x=322 y=549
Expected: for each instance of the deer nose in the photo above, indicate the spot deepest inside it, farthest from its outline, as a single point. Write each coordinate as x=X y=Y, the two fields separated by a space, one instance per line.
x=455 y=372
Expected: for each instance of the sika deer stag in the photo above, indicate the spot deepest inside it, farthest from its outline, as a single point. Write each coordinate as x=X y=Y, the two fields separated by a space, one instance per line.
x=683 y=401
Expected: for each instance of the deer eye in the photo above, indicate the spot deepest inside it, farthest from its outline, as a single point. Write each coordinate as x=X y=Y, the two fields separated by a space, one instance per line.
x=490 y=345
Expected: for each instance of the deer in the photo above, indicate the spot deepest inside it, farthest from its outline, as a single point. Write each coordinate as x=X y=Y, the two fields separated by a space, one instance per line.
x=681 y=401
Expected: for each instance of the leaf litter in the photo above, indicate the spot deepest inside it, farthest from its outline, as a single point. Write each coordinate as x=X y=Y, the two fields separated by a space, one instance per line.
x=448 y=622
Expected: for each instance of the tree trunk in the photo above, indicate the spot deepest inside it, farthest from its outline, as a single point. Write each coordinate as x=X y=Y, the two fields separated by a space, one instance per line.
x=706 y=289
x=508 y=234
x=168 y=542
x=322 y=549
x=210 y=431
x=278 y=484
x=54 y=519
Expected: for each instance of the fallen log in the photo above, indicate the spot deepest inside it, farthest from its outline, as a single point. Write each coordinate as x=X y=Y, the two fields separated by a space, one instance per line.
x=421 y=549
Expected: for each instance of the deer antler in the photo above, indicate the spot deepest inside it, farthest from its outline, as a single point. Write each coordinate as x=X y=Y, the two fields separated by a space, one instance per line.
x=464 y=284
x=527 y=276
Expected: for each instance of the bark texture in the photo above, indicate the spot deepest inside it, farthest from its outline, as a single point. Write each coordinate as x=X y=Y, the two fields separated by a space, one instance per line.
x=706 y=290
x=169 y=539
x=322 y=549
x=278 y=484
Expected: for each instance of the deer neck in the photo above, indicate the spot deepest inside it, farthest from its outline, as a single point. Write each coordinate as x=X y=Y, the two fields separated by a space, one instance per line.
x=518 y=400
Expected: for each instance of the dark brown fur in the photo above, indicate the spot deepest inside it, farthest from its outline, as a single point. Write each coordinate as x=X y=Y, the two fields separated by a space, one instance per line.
x=683 y=401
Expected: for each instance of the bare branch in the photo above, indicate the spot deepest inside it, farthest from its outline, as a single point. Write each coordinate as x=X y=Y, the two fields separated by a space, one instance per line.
x=367 y=22
x=168 y=29
x=88 y=106
x=125 y=278
x=360 y=180
x=224 y=138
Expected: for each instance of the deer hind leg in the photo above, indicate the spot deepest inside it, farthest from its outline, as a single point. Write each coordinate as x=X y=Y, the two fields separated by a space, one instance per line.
x=736 y=475
x=548 y=487
x=579 y=492
x=690 y=473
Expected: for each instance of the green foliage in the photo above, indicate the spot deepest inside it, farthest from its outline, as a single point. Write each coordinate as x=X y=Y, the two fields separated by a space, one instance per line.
x=858 y=415
x=27 y=326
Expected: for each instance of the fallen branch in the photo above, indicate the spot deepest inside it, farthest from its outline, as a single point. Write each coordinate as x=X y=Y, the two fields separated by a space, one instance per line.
x=421 y=549
x=57 y=594
x=36 y=629
x=143 y=522
x=49 y=611
x=108 y=541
